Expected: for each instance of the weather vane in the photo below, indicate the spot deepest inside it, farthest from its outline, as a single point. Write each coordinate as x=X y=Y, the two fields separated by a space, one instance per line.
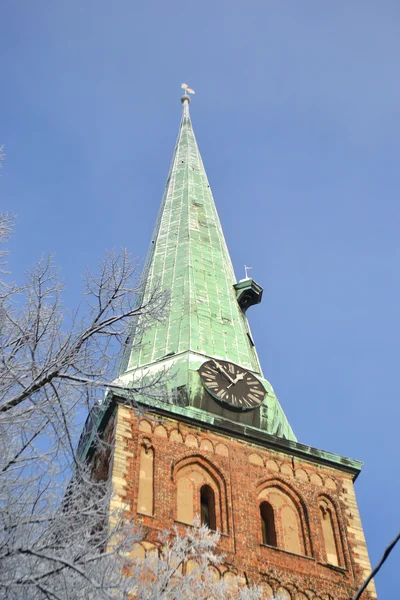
x=187 y=89
x=246 y=269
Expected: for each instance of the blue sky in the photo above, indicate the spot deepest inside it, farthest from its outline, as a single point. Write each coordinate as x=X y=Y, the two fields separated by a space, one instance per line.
x=297 y=117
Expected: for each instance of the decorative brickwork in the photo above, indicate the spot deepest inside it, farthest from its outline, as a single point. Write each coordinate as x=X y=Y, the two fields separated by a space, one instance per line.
x=242 y=476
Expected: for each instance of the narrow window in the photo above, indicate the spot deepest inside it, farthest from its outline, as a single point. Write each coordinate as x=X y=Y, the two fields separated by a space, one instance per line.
x=268 y=524
x=145 y=493
x=329 y=533
x=207 y=507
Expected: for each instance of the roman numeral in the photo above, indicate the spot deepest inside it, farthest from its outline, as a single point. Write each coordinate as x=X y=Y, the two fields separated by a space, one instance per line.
x=256 y=391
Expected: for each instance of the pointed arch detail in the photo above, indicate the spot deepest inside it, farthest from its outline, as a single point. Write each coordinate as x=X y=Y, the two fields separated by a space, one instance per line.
x=286 y=516
x=200 y=489
x=331 y=533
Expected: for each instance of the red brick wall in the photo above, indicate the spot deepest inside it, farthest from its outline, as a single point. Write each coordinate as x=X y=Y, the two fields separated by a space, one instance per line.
x=242 y=470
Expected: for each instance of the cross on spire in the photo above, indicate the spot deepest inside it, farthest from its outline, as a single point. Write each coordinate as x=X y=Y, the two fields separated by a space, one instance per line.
x=246 y=269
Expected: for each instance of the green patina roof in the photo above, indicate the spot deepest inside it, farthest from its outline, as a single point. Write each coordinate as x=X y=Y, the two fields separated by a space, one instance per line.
x=188 y=256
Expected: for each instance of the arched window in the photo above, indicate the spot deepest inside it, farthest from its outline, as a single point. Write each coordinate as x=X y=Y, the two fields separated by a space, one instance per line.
x=268 y=524
x=207 y=506
x=200 y=490
x=283 y=520
x=328 y=531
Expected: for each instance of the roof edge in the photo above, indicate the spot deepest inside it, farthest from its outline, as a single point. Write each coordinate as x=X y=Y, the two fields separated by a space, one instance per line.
x=199 y=418
x=248 y=433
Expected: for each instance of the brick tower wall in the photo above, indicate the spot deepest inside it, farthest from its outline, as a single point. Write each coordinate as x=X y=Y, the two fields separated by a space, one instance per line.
x=158 y=467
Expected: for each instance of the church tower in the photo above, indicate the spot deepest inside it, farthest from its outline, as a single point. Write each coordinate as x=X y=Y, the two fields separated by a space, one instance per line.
x=217 y=442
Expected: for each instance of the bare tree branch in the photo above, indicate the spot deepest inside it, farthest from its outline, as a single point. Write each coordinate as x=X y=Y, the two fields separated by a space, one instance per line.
x=377 y=568
x=59 y=538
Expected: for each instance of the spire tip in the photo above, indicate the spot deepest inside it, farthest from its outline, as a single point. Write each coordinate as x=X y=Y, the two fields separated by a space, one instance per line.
x=187 y=91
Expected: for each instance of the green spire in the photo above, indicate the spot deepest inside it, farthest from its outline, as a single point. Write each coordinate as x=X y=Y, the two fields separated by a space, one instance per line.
x=188 y=257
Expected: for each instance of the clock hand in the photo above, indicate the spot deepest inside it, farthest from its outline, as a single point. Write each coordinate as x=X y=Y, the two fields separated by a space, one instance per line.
x=224 y=373
x=238 y=378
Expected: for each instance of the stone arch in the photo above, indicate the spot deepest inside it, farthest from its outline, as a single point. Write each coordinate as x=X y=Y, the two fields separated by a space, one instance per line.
x=207 y=446
x=301 y=474
x=330 y=483
x=231 y=580
x=267 y=589
x=272 y=465
x=214 y=573
x=222 y=450
x=191 y=441
x=256 y=459
x=316 y=479
x=331 y=534
x=287 y=470
x=191 y=474
x=290 y=516
x=176 y=436
x=190 y=566
x=241 y=580
x=142 y=549
x=274 y=583
x=151 y=548
x=291 y=588
x=283 y=593
x=145 y=426
x=160 y=431
x=138 y=551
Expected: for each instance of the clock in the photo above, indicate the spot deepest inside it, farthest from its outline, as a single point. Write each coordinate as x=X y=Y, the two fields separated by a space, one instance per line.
x=231 y=384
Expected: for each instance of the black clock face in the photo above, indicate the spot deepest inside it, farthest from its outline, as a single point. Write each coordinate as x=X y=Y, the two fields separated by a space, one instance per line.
x=231 y=384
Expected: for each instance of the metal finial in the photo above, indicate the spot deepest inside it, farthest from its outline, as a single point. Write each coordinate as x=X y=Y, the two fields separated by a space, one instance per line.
x=187 y=89
x=246 y=269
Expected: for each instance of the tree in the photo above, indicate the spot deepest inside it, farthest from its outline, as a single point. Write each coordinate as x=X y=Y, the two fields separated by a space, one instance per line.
x=185 y=567
x=58 y=540
x=55 y=367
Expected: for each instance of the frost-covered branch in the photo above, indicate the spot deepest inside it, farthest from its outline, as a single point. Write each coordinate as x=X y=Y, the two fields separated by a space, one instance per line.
x=58 y=539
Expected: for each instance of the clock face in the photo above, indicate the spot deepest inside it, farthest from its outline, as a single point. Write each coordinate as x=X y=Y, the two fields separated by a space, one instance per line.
x=231 y=384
